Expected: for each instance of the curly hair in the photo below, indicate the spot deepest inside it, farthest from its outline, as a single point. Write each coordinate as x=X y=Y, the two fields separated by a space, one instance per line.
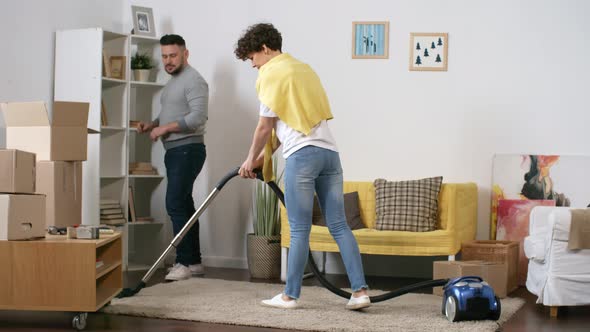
x=255 y=37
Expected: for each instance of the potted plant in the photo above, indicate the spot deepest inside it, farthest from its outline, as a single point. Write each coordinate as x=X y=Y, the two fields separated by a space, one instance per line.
x=264 y=245
x=141 y=64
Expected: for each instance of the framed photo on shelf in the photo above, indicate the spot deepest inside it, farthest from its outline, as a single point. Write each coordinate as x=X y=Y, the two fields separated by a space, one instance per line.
x=143 y=21
x=106 y=65
x=428 y=51
x=132 y=217
x=370 y=40
x=118 y=64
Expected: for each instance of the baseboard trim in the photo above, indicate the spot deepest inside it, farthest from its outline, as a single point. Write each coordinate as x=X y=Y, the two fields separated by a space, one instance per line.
x=228 y=262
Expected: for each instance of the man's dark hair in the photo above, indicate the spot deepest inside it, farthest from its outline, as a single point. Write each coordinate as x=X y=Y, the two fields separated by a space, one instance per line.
x=255 y=36
x=172 y=40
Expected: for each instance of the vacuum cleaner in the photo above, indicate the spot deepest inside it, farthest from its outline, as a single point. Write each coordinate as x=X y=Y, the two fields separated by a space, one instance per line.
x=459 y=292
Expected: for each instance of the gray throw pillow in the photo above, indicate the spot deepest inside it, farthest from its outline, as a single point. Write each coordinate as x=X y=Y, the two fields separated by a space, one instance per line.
x=407 y=205
x=351 y=209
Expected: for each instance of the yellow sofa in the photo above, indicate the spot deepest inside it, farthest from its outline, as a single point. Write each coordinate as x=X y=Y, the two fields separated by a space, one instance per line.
x=457 y=207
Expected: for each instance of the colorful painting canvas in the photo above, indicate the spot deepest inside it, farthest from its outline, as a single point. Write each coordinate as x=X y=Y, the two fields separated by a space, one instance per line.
x=562 y=179
x=513 y=225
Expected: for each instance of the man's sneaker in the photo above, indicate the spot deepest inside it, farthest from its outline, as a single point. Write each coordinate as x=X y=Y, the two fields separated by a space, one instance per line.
x=178 y=272
x=278 y=302
x=196 y=269
x=356 y=303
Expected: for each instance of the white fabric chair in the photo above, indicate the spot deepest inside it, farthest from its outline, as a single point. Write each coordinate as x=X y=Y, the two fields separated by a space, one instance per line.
x=558 y=276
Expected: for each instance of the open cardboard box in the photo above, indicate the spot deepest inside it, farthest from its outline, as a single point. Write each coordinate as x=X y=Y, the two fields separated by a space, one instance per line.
x=64 y=139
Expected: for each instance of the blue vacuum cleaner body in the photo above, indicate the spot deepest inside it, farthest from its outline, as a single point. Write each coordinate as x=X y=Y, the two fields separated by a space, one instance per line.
x=470 y=298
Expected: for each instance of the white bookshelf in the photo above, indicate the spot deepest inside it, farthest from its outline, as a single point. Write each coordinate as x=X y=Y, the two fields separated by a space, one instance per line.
x=78 y=77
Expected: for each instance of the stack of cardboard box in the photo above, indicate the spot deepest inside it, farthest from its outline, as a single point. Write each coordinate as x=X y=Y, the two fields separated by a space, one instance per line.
x=59 y=147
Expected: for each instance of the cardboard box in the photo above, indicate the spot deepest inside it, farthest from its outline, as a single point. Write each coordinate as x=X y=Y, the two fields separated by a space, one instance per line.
x=61 y=183
x=17 y=172
x=64 y=139
x=506 y=252
x=495 y=274
x=22 y=216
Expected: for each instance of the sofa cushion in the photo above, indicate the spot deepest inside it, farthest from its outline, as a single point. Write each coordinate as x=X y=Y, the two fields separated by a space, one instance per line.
x=407 y=205
x=351 y=209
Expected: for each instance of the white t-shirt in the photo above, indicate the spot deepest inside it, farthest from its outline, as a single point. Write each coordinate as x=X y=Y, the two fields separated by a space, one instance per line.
x=293 y=140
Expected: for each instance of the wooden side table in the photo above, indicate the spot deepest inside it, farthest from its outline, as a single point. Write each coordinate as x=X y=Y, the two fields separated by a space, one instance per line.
x=60 y=274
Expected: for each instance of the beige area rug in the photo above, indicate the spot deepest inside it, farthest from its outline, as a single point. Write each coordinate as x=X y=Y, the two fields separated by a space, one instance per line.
x=237 y=303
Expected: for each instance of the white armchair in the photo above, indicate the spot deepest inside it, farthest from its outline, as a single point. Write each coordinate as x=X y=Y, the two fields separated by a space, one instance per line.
x=558 y=276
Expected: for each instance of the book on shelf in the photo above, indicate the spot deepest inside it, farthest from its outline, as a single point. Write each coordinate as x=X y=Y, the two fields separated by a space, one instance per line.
x=145 y=219
x=118 y=221
x=108 y=201
x=99 y=264
x=110 y=211
x=110 y=206
x=112 y=216
x=134 y=172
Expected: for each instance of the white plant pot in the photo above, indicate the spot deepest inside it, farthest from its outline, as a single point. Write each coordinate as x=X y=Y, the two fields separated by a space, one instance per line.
x=142 y=75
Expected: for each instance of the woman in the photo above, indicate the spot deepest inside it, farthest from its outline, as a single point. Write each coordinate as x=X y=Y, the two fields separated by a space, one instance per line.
x=293 y=104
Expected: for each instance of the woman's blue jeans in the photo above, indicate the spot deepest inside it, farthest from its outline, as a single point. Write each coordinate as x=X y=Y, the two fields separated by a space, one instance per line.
x=183 y=164
x=312 y=170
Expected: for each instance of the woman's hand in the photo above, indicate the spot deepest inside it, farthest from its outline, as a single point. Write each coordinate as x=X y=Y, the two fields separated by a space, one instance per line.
x=248 y=167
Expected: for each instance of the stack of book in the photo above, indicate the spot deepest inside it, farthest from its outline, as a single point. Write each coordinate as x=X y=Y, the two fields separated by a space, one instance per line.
x=111 y=212
x=142 y=168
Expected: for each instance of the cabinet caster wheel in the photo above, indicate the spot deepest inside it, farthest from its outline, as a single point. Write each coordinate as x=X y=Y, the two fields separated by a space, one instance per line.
x=79 y=321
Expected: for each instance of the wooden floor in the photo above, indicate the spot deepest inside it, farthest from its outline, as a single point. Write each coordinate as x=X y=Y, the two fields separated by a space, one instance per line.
x=531 y=317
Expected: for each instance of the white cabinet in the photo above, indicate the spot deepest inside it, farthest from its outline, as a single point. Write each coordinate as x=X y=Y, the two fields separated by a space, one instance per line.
x=114 y=102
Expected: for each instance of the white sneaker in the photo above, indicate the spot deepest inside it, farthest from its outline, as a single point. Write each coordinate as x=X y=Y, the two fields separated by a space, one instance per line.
x=178 y=272
x=356 y=303
x=196 y=269
x=278 y=302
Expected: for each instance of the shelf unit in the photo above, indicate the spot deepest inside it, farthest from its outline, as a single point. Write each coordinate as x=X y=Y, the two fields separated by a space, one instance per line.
x=60 y=274
x=78 y=77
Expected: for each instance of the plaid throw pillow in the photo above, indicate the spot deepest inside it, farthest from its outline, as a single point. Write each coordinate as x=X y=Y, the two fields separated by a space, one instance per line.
x=407 y=205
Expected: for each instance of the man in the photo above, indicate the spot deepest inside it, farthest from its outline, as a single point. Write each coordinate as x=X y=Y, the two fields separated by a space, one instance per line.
x=181 y=127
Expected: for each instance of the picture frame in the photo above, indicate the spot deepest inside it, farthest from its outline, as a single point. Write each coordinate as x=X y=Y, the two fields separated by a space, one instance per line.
x=106 y=66
x=143 y=21
x=370 y=40
x=429 y=51
x=118 y=64
x=132 y=216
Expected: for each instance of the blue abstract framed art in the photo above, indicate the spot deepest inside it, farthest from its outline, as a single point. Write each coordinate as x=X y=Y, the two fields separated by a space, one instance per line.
x=370 y=40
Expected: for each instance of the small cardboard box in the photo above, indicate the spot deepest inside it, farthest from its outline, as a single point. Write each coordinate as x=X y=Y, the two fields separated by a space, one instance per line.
x=506 y=252
x=64 y=139
x=61 y=183
x=22 y=217
x=494 y=273
x=17 y=172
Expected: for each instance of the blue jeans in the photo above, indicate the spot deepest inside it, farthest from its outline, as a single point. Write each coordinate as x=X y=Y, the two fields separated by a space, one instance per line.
x=183 y=164
x=316 y=170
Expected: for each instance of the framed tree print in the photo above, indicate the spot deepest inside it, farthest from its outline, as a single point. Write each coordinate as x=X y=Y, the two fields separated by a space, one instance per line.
x=428 y=51
x=370 y=40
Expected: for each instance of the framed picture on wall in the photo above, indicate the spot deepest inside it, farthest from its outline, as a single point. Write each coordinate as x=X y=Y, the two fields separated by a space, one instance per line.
x=428 y=51
x=143 y=21
x=370 y=40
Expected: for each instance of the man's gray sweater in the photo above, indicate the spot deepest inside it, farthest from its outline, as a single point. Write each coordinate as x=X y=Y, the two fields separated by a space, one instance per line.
x=185 y=100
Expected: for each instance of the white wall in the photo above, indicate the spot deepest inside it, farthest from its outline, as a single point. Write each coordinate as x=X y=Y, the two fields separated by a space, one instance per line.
x=516 y=84
x=27 y=32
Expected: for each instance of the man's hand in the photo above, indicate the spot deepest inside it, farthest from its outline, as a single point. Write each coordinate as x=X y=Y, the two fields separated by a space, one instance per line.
x=143 y=127
x=158 y=132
